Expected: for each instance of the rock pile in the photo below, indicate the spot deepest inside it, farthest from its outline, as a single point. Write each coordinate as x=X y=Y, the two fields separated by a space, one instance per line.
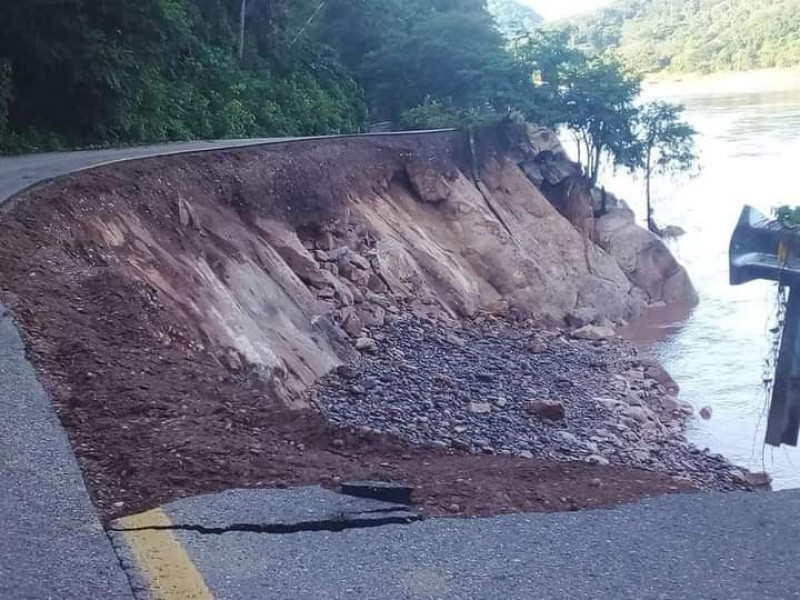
x=494 y=387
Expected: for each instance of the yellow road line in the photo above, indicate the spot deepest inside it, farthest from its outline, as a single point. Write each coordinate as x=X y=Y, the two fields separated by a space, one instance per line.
x=162 y=559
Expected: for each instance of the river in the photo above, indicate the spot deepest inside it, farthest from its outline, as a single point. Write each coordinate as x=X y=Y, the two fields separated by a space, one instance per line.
x=750 y=151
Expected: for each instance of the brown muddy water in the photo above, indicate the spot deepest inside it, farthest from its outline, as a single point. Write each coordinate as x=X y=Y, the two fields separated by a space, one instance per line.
x=750 y=146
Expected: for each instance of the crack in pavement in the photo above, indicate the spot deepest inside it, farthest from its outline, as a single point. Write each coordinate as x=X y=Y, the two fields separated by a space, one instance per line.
x=336 y=523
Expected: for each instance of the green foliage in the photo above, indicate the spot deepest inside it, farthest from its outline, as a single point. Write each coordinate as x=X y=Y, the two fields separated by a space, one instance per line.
x=406 y=51
x=664 y=144
x=695 y=35
x=514 y=20
x=132 y=71
x=666 y=141
x=434 y=114
x=593 y=97
x=6 y=93
x=788 y=216
x=471 y=68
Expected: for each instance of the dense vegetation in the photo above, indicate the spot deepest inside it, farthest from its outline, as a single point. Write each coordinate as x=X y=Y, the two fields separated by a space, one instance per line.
x=695 y=35
x=83 y=72
x=78 y=72
x=514 y=19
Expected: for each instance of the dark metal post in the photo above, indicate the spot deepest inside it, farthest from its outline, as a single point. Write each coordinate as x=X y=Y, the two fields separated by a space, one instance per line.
x=764 y=249
x=784 y=411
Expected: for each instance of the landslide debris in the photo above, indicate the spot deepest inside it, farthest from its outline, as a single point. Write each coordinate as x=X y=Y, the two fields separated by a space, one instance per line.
x=501 y=388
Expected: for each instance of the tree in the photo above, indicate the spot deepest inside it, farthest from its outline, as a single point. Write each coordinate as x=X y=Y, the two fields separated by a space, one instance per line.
x=593 y=97
x=600 y=98
x=665 y=145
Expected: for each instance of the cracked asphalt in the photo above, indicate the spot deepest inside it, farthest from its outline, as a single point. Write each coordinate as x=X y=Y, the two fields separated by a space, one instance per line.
x=292 y=545
x=737 y=546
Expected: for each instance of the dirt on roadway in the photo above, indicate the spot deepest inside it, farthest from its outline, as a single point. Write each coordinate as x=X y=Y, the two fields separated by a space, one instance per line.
x=154 y=416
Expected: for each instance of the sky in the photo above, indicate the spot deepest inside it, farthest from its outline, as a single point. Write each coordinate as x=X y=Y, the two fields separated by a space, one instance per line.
x=558 y=9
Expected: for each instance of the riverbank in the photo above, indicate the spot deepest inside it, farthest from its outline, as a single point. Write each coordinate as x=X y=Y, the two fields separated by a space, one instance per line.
x=667 y=85
x=499 y=388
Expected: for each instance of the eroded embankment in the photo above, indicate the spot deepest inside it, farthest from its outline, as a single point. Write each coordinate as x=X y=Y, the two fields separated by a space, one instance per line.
x=175 y=306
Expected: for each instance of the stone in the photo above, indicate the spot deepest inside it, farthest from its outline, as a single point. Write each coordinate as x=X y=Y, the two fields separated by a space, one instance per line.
x=501 y=402
x=595 y=482
x=353 y=325
x=634 y=374
x=610 y=403
x=346 y=372
x=428 y=181
x=525 y=454
x=340 y=289
x=567 y=437
x=591 y=447
x=582 y=316
x=597 y=459
x=454 y=508
x=537 y=346
x=758 y=479
x=365 y=344
x=706 y=412
x=674 y=405
x=326 y=241
x=321 y=256
x=480 y=408
x=645 y=258
x=372 y=315
x=593 y=332
x=636 y=413
x=376 y=284
x=551 y=410
x=453 y=339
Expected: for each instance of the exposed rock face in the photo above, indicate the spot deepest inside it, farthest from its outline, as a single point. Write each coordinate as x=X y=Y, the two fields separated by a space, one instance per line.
x=644 y=258
x=284 y=259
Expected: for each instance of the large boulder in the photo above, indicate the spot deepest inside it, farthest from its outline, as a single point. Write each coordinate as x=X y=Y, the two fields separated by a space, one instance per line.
x=645 y=258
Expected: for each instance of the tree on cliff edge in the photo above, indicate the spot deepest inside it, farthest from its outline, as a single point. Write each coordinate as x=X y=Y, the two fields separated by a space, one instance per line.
x=593 y=97
x=665 y=145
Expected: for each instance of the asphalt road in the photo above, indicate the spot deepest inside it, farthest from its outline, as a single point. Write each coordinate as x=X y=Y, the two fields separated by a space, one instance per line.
x=20 y=172
x=740 y=546
x=52 y=545
x=703 y=547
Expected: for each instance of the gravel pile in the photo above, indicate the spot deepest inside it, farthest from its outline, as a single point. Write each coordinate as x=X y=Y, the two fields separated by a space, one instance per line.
x=499 y=388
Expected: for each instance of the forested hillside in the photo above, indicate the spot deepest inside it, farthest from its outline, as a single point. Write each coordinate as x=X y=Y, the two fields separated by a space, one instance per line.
x=75 y=73
x=514 y=18
x=695 y=35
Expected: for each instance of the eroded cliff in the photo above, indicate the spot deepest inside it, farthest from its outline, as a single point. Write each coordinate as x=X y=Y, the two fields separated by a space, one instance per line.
x=272 y=258
x=173 y=306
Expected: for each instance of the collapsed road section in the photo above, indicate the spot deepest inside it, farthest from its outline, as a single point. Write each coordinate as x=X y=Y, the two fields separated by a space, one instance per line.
x=178 y=310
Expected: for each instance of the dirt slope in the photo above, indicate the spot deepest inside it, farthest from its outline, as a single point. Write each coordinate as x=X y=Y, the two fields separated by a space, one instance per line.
x=174 y=306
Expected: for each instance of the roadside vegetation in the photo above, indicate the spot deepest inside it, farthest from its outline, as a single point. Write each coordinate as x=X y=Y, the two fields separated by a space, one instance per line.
x=80 y=74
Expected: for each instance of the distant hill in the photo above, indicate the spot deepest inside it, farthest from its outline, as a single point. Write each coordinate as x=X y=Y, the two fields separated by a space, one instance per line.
x=695 y=35
x=513 y=17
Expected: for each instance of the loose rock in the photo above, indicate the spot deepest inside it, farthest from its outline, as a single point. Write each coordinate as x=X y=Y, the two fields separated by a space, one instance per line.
x=552 y=410
x=491 y=394
x=593 y=332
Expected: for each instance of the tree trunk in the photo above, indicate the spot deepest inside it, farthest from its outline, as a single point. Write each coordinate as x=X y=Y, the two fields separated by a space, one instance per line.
x=242 y=23
x=595 y=172
x=647 y=175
